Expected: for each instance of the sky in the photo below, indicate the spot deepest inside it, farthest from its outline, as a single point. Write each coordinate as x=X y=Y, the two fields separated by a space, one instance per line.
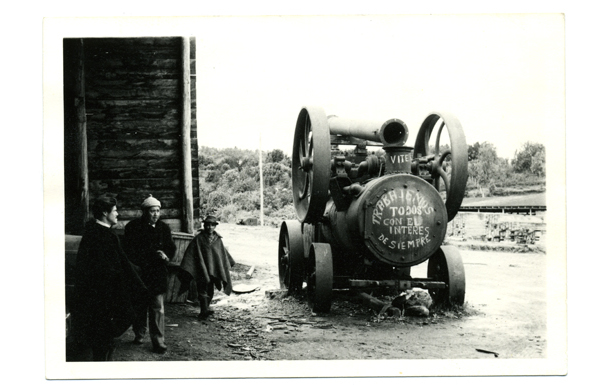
x=502 y=76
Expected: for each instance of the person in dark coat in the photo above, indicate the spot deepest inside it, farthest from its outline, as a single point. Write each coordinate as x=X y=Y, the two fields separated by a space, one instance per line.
x=207 y=261
x=106 y=284
x=149 y=245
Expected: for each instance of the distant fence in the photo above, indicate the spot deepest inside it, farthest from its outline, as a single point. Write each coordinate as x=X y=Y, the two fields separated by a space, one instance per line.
x=531 y=210
x=494 y=225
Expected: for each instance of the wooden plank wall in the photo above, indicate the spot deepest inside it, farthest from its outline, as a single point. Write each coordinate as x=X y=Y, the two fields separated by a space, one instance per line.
x=133 y=90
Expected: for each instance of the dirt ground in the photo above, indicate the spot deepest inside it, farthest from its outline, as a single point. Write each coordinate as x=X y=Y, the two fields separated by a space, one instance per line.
x=504 y=313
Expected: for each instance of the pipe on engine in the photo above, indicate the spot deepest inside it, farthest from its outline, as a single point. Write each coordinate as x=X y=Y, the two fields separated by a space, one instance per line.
x=392 y=132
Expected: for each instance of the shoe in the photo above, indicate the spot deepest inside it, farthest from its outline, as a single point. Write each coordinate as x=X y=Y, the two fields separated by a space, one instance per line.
x=205 y=314
x=138 y=340
x=160 y=349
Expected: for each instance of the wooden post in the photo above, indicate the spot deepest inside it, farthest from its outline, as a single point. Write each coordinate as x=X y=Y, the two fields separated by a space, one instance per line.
x=82 y=156
x=187 y=222
x=260 y=177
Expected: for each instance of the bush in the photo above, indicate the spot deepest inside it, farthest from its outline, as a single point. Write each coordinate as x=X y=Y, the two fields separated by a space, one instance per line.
x=531 y=158
x=213 y=176
x=228 y=213
x=230 y=177
x=267 y=211
x=286 y=212
x=276 y=156
x=224 y=167
x=245 y=185
x=218 y=199
x=248 y=200
x=277 y=173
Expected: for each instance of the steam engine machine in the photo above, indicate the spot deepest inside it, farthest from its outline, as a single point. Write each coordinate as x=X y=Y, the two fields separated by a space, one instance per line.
x=365 y=219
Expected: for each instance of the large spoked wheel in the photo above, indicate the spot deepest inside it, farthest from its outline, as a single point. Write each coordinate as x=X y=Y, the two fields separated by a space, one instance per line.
x=320 y=277
x=449 y=166
x=311 y=164
x=446 y=265
x=291 y=256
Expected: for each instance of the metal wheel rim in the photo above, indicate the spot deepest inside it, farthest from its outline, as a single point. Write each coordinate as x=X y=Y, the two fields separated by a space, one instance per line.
x=320 y=277
x=311 y=160
x=459 y=152
x=290 y=256
x=446 y=265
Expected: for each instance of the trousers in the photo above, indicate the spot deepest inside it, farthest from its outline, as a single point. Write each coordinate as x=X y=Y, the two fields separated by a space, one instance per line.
x=206 y=291
x=152 y=314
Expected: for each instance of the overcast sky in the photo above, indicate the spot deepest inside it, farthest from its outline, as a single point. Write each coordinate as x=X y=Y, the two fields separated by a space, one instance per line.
x=501 y=75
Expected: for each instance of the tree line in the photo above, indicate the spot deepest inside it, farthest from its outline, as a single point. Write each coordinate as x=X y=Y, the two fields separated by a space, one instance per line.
x=491 y=175
x=230 y=179
x=230 y=184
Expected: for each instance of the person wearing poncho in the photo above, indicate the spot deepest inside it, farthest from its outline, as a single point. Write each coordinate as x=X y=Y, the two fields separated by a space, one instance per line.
x=207 y=262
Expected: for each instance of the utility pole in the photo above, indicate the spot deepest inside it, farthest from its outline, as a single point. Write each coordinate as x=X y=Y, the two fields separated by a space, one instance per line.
x=261 y=177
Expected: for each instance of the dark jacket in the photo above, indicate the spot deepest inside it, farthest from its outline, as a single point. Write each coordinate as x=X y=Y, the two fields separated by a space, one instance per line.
x=106 y=286
x=141 y=242
x=206 y=260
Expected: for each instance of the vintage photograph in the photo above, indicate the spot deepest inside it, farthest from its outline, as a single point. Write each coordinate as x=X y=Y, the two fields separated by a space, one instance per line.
x=311 y=196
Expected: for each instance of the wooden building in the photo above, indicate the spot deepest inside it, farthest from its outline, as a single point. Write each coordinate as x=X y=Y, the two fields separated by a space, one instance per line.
x=130 y=127
x=130 y=130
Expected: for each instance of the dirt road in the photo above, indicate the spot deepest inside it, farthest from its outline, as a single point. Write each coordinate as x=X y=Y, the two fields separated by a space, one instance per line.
x=505 y=313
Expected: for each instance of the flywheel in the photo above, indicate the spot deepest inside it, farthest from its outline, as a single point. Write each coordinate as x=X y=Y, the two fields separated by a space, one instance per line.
x=446 y=169
x=311 y=164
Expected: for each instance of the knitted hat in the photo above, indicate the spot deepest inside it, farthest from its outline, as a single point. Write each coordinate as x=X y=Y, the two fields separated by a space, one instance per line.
x=150 y=201
x=211 y=219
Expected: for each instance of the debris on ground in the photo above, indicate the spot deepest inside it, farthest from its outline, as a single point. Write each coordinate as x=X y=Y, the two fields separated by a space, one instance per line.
x=244 y=288
x=488 y=352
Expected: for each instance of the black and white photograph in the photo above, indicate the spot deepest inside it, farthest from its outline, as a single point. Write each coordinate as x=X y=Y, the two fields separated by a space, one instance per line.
x=304 y=196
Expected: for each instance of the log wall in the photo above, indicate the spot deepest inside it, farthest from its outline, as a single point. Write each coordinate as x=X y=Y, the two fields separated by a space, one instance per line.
x=134 y=104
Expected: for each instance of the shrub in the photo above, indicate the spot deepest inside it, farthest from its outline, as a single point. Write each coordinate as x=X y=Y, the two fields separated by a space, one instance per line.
x=276 y=173
x=228 y=213
x=213 y=176
x=224 y=167
x=245 y=185
x=230 y=177
x=247 y=200
x=218 y=199
x=286 y=212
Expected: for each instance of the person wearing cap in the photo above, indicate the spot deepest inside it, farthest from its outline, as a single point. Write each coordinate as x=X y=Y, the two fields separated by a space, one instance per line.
x=106 y=284
x=207 y=261
x=149 y=244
